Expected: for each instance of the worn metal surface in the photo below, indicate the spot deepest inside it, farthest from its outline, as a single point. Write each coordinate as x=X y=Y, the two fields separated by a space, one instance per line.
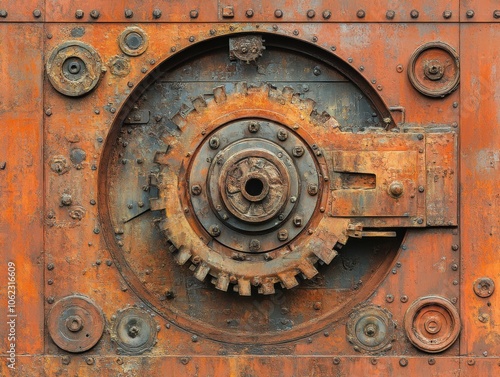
x=226 y=187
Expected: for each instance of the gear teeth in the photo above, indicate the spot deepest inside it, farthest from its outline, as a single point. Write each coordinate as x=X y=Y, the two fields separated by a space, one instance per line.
x=179 y=121
x=308 y=270
x=199 y=103
x=222 y=282
x=324 y=253
x=202 y=272
x=308 y=105
x=320 y=118
x=288 y=279
x=267 y=288
x=183 y=256
x=220 y=95
x=288 y=93
x=242 y=87
x=244 y=287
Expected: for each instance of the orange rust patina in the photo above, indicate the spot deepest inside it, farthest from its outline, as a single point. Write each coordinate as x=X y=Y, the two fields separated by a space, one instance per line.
x=287 y=188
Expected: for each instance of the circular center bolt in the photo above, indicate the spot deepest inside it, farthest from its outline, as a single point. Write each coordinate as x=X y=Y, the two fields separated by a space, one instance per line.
x=74 y=67
x=434 y=70
x=396 y=189
x=133 y=331
x=256 y=188
x=74 y=323
x=134 y=40
x=371 y=330
x=432 y=325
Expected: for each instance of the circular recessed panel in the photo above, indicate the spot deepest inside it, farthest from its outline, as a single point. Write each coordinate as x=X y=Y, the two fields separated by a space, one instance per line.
x=370 y=329
x=75 y=323
x=74 y=68
x=432 y=324
x=133 y=41
x=434 y=69
x=134 y=331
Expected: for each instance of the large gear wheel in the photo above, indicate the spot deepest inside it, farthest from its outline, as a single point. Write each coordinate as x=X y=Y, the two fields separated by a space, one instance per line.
x=244 y=186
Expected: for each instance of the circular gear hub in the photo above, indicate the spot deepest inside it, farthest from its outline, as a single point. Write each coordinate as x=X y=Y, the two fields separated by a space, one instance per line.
x=244 y=189
x=432 y=324
x=75 y=323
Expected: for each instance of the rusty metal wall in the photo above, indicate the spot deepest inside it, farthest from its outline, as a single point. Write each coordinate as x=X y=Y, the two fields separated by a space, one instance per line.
x=290 y=188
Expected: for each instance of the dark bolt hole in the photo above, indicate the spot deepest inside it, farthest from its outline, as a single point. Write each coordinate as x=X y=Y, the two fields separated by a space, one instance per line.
x=133 y=41
x=254 y=187
x=74 y=67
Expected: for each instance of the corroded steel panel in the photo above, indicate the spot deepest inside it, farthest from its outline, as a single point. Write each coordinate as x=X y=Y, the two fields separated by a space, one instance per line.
x=217 y=188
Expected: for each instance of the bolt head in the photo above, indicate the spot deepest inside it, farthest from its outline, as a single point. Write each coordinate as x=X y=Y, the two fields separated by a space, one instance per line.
x=95 y=14
x=297 y=221
x=396 y=189
x=196 y=189
x=254 y=127
x=298 y=151
x=214 y=142
x=214 y=230
x=282 y=234
x=447 y=14
x=327 y=14
x=312 y=189
x=470 y=13
x=254 y=245
x=282 y=135
x=390 y=14
x=249 y=13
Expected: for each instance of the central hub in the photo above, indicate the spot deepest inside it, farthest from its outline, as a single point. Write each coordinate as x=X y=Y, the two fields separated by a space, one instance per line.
x=247 y=182
x=254 y=183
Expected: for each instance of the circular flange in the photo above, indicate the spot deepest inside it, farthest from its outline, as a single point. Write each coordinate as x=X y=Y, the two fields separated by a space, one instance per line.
x=133 y=41
x=370 y=329
x=75 y=323
x=434 y=69
x=74 y=68
x=228 y=235
x=133 y=330
x=484 y=287
x=432 y=324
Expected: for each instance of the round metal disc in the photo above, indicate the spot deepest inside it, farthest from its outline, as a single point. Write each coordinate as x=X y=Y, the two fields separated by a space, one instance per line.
x=134 y=331
x=434 y=69
x=370 y=329
x=74 y=68
x=75 y=323
x=133 y=41
x=432 y=324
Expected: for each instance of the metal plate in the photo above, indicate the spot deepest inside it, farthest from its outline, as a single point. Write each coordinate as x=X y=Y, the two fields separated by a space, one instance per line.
x=74 y=68
x=434 y=69
x=432 y=324
x=75 y=323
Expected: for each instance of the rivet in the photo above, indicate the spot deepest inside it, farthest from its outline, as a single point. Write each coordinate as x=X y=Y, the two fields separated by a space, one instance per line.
x=470 y=13
x=278 y=13
x=193 y=13
x=314 y=39
x=420 y=220
x=379 y=88
x=3 y=13
x=65 y=360
x=454 y=247
x=336 y=360
x=37 y=13
x=403 y=362
x=89 y=360
x=191 y=39
x=79 y=14
x=454 y=267
x=48 y=112
x=295 y=32
x=50 y=266
x=156 y=13
x=404 y=299
x=454 y=300
x=212 y=31
x=447 y=14
x=172 y=49
x=390 y=14
x=96 y=231
x=112 y=110
x=275 y=27
x=50 y=300
x=333 y=48
x=431 y=361
x=455 y=105
x=194 y=338
x=374 y=361
x=129 y=13
x=414 y=14
x=389 y=298
x=496 y=14
x=311 y=13
x=249 y=13
x=399 y=68
x=95 y=14
x=327 y=14
x=92 y=202
x=471 y=362
x=361 y=13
